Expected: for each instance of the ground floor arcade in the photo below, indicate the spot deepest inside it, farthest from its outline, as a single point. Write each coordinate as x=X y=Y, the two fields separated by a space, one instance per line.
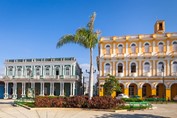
x=147 y=89
x=19 y=89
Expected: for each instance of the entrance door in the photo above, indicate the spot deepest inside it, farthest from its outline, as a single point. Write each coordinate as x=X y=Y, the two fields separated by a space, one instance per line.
x=131 y=91
x=1 y=90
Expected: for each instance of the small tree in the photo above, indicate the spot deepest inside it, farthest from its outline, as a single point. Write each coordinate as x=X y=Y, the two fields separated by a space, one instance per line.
x=111 y=84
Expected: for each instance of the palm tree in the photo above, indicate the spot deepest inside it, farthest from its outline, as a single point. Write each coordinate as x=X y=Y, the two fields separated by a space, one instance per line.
x=87 y=38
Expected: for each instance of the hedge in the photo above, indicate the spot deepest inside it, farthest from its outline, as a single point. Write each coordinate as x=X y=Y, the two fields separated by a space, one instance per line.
x=104 y=102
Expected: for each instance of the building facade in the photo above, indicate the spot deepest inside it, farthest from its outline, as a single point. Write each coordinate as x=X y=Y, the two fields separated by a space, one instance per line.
x=144 y=64
x=45 y=76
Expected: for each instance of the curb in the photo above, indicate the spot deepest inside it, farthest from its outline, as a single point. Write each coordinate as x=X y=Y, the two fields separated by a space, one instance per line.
x=55 y=108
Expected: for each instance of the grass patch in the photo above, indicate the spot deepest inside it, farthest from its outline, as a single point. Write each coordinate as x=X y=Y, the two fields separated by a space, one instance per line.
x=29 y=104
x=134 y=107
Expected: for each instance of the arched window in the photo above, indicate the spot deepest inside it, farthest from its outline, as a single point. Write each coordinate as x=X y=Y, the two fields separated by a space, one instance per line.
x=37 y=71
x=175 y=66
x=133 y=68
x=175 y=46
x=107 y=68
x=107 y=49
x=10 y=72
x=120 y=48
x=161 y=46
x=160 y=67
x=47 y=71
x=146 y=46
x=28 y=71
x=19 y=71
x=146 y=67
x=67 y=71
x=120 y=68
x=133 y=48
x=57 y=72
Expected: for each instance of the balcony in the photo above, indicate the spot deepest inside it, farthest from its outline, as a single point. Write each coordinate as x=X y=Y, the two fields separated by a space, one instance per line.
x=133 y=55
x=161 y=54
x=145 y=37
x=120 y=55
x=147 y=54
x=160 y=74
x=145 y=74
x=133 y=75
x=120 y=74
x=107 y=55
x=174 y=74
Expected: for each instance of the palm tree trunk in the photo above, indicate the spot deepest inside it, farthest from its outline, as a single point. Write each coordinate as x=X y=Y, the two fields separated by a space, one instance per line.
x=91 y=75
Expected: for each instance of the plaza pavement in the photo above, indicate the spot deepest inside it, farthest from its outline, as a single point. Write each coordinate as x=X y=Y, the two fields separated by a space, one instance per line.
x=8 y=111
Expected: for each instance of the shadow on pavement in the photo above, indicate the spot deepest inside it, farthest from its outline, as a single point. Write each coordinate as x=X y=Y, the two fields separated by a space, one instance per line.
x=129 y=116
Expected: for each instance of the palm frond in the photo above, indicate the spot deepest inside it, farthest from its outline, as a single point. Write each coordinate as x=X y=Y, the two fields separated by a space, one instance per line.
x=65 y=39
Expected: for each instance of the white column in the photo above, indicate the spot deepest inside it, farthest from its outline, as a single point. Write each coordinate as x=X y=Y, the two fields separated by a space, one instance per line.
x=168 y=68
x=63 y=69
x=154 y=68
x=71 y=70
x=53 y=72
x=6 y=90
x=168 y=46
x=50 y=70
x=71 y=88
x=62 y=89
x=33 y=87
x=42 y=89
x=51 y=88
x=14 y=90
x=154 y=50
x=74 y=69
x=140 y=51
x=113 y=69
x=23 y=89
x=14 y=70
x=23 y=72
x=140 y=68
x=114 y=49
x=100 y=65
x=126 y=49
x=126 y=68
x=100 y=50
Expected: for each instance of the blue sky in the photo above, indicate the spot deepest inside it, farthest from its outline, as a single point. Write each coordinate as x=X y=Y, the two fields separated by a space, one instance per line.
x=31 y=28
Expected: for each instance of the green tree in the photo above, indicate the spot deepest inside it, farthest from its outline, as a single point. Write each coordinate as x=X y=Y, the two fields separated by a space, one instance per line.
x=111 y=84
x=86 y=37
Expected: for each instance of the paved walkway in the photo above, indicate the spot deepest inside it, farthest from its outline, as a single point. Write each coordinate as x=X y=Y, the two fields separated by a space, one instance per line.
x=8 y=111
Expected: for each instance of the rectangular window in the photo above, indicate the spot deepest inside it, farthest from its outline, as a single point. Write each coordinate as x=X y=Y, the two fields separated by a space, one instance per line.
x=160 y=26
x=47 y=72
x=133 y=69
x=10 y=73
x=120 y=69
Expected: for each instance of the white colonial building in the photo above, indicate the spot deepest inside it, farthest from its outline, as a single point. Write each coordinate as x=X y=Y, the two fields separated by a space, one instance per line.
x=46 y=76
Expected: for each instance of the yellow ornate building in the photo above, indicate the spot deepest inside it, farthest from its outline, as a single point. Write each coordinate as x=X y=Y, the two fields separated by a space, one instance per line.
x=141 y=63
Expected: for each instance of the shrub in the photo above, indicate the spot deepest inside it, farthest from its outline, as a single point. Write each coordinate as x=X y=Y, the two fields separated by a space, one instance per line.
x=132 y=100
x=104 y=102
x=76 y=102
